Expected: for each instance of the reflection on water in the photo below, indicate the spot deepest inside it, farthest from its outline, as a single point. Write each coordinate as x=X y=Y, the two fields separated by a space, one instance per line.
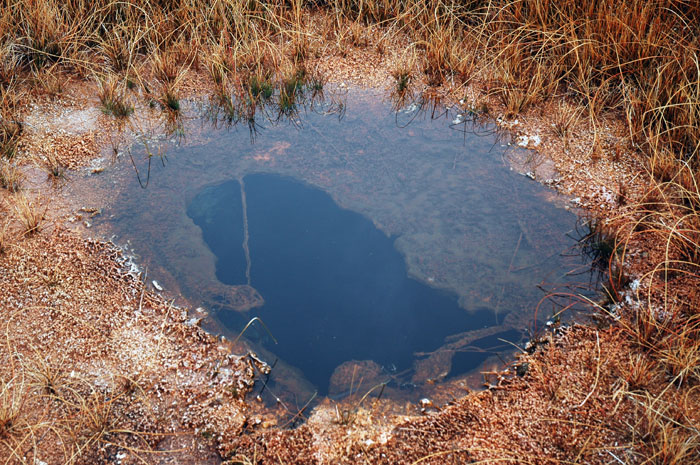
x=356 y=206
x=335 y=288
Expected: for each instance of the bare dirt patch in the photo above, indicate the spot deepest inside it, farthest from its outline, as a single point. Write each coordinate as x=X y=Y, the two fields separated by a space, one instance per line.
x=97 y=369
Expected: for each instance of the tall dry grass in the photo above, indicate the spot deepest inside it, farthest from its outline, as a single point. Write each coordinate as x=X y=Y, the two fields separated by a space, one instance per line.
x=638 y=58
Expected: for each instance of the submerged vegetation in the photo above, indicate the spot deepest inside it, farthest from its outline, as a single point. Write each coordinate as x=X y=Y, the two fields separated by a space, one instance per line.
x=633 y=59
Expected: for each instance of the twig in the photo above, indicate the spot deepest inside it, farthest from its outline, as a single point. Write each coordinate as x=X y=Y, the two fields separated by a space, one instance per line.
x=597 y=373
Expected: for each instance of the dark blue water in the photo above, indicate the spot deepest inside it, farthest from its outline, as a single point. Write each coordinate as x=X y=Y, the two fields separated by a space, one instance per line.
x=335 y=288
x=218 y=211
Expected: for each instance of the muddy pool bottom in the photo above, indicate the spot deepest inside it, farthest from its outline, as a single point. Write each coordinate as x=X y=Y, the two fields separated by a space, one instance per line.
x=337 y=296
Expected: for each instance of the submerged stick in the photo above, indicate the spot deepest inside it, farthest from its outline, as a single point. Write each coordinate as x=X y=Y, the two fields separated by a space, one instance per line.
x=300 y=412
x=250 y=323
x=380 y=385
x=246 y=249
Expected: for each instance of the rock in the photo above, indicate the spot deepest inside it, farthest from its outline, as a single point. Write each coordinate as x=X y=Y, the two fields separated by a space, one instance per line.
x=433 y=368
x=356 y=376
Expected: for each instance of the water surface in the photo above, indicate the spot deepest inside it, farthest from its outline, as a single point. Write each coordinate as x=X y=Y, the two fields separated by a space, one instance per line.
x=335 y=288
x=398 y=238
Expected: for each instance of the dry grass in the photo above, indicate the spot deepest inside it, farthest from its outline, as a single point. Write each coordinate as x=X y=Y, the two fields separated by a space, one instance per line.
x=10 y=126
x=44 y=403
x=662 y=431
x=50 y=163
x=72 y=390
x=566 y=118
x=404 y=70
x=13 y=394
x=4 y=237
x=16 y=429
x=10 y=176
x=113 y=98
x=639 y=59
x=30 y=214
x=664 y=323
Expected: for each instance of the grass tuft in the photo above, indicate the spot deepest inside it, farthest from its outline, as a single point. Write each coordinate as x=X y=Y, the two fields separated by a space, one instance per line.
x=291 y=89
x=316 y=83
x=4 y=237
x=403 y=70
x=170 y=100
x=566 y=118
x=113 y=98
x=260 y=87
x=53 y=166
x=10 y=176
x=13 y=395
x=10 y=126
x=48 y=378
x=640 y=371
x=29 y=214
x=679 y=352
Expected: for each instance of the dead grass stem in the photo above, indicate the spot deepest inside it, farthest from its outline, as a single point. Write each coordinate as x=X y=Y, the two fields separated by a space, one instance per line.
x=30 y=214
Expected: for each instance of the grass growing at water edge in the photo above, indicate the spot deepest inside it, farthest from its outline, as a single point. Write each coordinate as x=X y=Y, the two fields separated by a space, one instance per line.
x=30 y=214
